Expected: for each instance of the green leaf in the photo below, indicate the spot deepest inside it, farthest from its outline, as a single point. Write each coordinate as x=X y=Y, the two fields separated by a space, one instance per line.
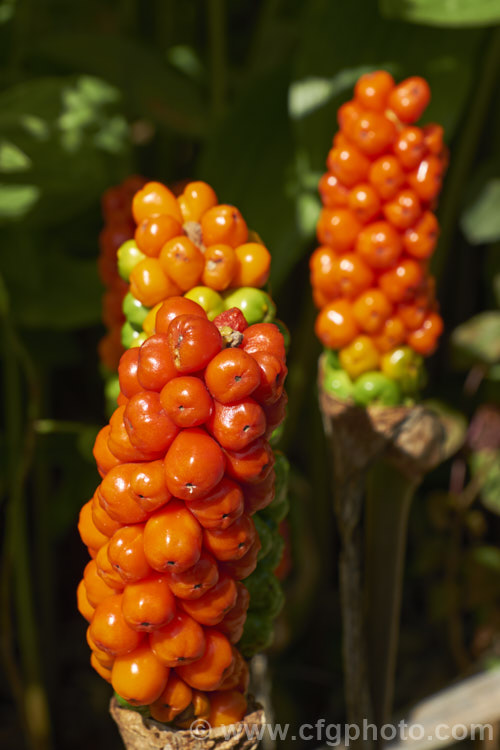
x=452 y=13
x=306 y=95
x=478 y=339
x=485 y=468
x=68 y=131
x=17 y=200
x=481 y=221
x=151 y=87
x=12 y=159
x=487 y=556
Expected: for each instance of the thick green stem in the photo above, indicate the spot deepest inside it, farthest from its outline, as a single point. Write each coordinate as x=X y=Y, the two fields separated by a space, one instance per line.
x=389 y=495
x=217 y=47
x=465 y=151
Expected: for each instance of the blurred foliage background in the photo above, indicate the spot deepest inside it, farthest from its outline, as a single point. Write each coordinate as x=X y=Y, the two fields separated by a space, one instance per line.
x=243 y=94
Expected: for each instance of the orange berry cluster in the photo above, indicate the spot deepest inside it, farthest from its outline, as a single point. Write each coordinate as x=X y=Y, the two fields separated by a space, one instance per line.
x=118 y=227
x=377 y=228
x=192 y=240
x=185 y=464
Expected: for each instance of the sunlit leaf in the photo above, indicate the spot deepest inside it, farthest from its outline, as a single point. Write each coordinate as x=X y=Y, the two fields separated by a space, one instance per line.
x=12 y=159
x=443 y=12
x=478 y=339
x=17 y=200
x=481 y=220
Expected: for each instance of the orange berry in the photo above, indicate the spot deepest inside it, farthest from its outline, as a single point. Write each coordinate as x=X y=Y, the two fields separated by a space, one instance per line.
x=347 y=114
x=226 y=707
x=233 y=542
x=150 y=284
x=210 y=608
x=410 y=147
x=258 y=496
x=174 y=699
x=180 y=642
x=89 y=533
x=183 y=262
x=172 y=308
x=427 y=179
x=194 y=464
x=223 y=224
x=251 y=464
x=421 y=239
x=232 y=374
x=364 y=202
x=154 y=199
x=238 y=677
x=233 y=623
x=104 y=459
x=186 y=401
x=220 y=267
x=372 y=90
x=386 y=176
x=392 y=334
x=126 y=553
x=120 y=444
x=410 y=98
x=193 y=583
x=348 y=164
x=401 y=283
x=321 y=264
x=108 y=574
x=404 y=209
x=148 y=425
x=272 y=378
x=109 y=629
x=253 y=265
x=103 y=672
x=102 y=520
x=104 y=659
x=148 y=604
x=379 y=245
x=208 y=672
x=332 y=192
x=85 y=608
x=156 y=365
x=220 y=507
x=434 y=138
x=197 y=198
x=96 y=589
x=413 y=315
x=338 y=228
x=116 y=497
x=321 y=298
x=127 y=372
x=263 y=337
x=424 y=339
x=352 y=275
x=149 y=485
x=242 y=568
x=236 y=425
x=371 y=310
x=336 y=325
x=139 y=677
x=172 y=538
x=373 y=133
x=193 y=341
x=154 y=232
